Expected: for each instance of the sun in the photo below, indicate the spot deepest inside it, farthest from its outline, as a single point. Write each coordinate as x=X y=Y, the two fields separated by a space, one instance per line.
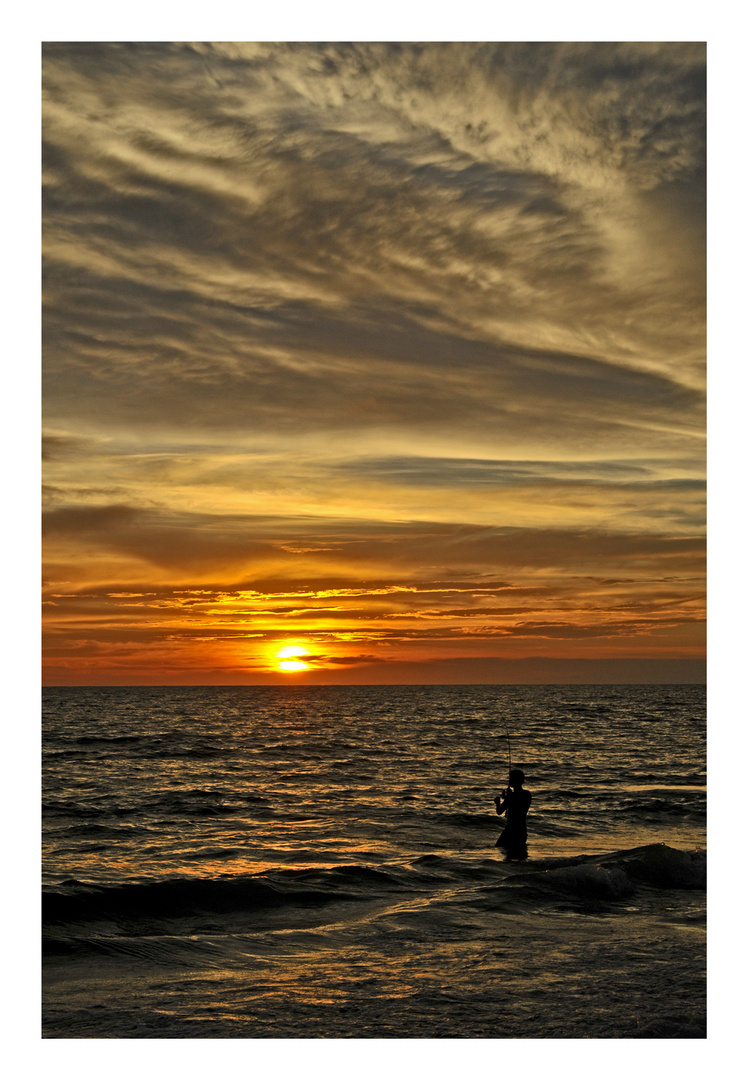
x=292 y=665
x=289 y=658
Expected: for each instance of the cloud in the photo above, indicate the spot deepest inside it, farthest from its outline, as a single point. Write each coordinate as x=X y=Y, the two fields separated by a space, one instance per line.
x=211 y=541
x=445 y=472
x=55 y=446
x=335 y=174
x=165 y=542
x=391 y=313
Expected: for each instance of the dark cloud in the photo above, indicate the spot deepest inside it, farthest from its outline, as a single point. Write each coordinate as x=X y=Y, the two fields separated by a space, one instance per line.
x=333 y=208
x=55 y=447
x=206 y=541
x=195 y=541
x=359 y=658
x=168 y=358
x=446 y=472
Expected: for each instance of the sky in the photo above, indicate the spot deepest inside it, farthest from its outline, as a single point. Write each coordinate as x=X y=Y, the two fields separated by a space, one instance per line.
x=373 y=363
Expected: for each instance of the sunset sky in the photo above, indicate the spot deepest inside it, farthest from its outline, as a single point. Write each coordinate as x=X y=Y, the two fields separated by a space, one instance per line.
x=374 y=363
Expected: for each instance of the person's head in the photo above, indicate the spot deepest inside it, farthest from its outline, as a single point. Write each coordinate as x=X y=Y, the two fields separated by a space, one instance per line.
x=516 y=778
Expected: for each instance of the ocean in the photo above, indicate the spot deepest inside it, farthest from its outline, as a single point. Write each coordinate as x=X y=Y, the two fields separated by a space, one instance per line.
x=320 y=863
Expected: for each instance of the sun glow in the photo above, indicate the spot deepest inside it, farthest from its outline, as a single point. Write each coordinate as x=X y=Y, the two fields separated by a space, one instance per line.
x=290 y=658
x=292 y=665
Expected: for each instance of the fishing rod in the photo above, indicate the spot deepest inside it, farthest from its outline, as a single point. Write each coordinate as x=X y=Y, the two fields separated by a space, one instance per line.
x=509 y=745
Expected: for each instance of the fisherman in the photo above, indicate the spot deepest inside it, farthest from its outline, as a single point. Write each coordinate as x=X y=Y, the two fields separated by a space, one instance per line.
x=515 y=802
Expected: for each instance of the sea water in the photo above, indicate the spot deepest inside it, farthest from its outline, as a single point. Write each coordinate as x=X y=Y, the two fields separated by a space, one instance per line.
x=320 y=862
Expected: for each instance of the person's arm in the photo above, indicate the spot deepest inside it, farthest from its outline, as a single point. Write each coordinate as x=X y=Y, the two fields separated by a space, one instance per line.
x=501 y=802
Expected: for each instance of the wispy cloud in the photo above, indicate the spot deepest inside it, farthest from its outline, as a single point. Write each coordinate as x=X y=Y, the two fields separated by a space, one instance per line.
x=329 y=312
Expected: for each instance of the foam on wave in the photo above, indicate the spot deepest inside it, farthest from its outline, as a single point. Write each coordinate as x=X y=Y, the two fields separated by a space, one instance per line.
x=619 y=874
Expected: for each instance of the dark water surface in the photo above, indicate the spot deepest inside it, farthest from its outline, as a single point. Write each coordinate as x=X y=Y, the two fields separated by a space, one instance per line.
x=312 y=862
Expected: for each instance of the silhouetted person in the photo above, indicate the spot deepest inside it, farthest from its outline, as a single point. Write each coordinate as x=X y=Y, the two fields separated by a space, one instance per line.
x=515 y=802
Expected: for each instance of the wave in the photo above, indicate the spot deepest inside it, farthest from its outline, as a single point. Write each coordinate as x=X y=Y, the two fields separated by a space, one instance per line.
x=172 y=899
x=584 y=878
x=662 y=866
x=188 y=803
x=654 y=807
x=107 y=740
x=74 y=901
x=614 y=876
x=474 y=821
x=93 y=831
